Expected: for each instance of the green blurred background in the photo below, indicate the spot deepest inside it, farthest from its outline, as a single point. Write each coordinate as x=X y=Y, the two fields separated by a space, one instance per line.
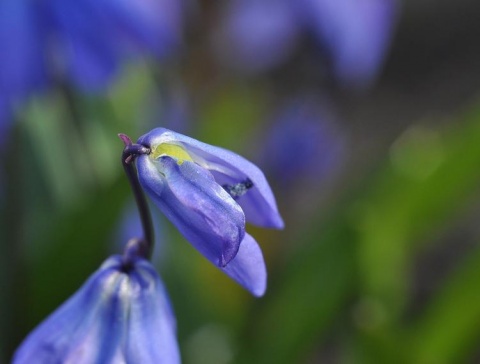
x=380 y=258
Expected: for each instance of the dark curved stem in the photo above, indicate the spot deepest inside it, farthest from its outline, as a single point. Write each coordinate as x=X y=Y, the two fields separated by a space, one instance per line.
x=130 y=152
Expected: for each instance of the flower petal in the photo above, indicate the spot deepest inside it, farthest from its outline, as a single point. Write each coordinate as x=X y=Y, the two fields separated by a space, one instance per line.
x=85 y=42
x=248 y=267
x=355 y=33
x=141 y=345
x=22 y=63
x=200 y=208
x=258 y=203
x=77 y=331
x=95 y=324
x=256 y=35
x=153 y=25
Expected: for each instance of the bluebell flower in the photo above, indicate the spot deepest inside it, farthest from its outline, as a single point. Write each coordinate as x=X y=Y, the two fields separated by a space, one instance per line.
x=307 y=126
x=81 y=41
x=353 y=34
x=22 y=65
x=120 y=315
x=259 y=35
x=209 y=193
x=95 y=36
x=356 y=34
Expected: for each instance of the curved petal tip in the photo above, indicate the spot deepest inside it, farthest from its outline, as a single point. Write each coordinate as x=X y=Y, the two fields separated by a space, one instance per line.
x=248 y=267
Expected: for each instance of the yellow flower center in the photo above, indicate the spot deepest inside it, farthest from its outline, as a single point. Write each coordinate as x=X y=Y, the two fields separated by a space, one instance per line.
x=171 y=150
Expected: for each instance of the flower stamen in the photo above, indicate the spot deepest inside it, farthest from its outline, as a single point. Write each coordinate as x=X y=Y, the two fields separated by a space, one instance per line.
x=238 y=189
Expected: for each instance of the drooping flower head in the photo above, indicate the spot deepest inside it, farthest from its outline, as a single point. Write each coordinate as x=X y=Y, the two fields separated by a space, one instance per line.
x=120 y=315
x=209 y=193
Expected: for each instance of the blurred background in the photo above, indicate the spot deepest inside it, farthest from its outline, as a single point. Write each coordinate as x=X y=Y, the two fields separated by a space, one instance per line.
x=363 y=114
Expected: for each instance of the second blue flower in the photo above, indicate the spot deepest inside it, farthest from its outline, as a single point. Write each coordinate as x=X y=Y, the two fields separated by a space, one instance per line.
x=209 y=193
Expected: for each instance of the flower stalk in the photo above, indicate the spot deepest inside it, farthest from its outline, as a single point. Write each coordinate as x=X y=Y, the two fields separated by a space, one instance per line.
x=130 y=152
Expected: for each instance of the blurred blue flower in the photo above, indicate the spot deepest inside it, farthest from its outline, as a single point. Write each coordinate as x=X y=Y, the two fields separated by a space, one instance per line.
x=356 y=34
x=208 y=193
x=305 y=126
x=258 y=35
x=120 y=315
x=177 y=112
x=84 y=41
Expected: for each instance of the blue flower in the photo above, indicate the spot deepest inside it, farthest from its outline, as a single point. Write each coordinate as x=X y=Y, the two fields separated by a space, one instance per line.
x=306 y=126
x=209 y=193
x=259 y=35
x=95 y=36
x=82 y=41
x=353 y=34
x=120 y=315
x=356 y=34
x=22 y=65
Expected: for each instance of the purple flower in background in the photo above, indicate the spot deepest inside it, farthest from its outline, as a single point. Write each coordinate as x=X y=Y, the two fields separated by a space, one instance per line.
x=22 y=64
x=177 y=109
x=355 y=34
x=209 y=193
x=307 y=128
x=259 y=35
x=120 y=315
x=84 y=41
x=93 y=37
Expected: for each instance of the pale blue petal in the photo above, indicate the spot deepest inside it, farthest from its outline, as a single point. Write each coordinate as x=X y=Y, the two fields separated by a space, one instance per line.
x=86 y=46
x=200 y=208
x=152 y=25
x=355 y=32
x=93 y=37
x=95 y=324
x=258 y=203
x=78 y=329
x=257 y=35
x=21 y=61
x=307 y=127
x=151 y=332
x=248 y=267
